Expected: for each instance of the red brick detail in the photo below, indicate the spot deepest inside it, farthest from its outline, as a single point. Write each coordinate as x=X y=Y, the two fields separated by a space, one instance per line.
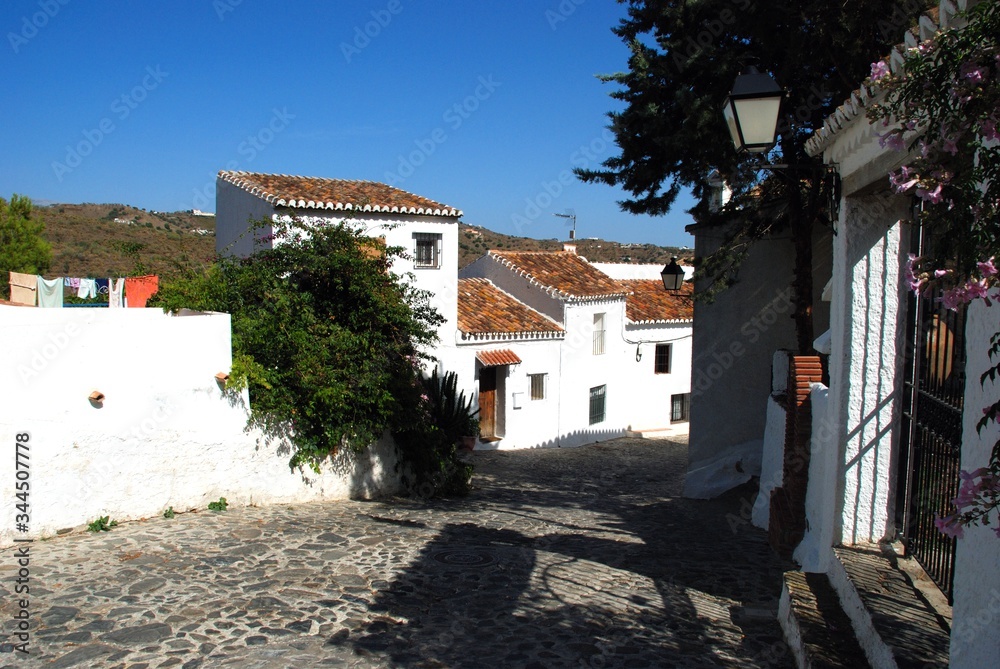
x=787 y=523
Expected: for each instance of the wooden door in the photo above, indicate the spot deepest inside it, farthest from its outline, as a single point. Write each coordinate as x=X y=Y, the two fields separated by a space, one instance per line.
x=488 y=401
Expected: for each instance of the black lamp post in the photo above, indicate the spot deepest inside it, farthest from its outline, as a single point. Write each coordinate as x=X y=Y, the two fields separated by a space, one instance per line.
x=751 y=111
x=672 y=275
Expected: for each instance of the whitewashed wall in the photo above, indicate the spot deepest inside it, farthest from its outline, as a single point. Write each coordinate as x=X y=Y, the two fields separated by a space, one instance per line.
x=974 y=642
x=867 y=320
x=165 y=434
x=649 y=393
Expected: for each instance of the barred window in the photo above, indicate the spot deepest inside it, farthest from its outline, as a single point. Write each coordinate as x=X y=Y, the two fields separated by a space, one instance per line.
x=598 y=396
x=680 y=407
x=598 y=334
x=662 y=362
x=427 y=250
x=537 y=386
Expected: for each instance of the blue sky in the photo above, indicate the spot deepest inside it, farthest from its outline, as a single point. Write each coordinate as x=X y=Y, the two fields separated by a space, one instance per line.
x=484 y=106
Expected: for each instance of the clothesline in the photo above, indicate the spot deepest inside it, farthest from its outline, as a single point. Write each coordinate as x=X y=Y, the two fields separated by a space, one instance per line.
x=33 y=290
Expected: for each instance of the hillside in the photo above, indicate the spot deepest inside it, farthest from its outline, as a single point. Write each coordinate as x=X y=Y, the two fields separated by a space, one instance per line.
x=474 y=241
x=94 y=239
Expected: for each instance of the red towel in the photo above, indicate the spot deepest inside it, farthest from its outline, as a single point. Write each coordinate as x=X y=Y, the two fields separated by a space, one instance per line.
x=138 y=289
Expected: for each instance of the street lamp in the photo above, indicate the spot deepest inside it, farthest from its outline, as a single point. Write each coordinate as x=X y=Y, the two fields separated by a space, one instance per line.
x=751 y=111
x=672 y=275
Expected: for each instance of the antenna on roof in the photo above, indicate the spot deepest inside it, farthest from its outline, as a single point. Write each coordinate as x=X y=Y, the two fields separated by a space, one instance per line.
x=571 y=214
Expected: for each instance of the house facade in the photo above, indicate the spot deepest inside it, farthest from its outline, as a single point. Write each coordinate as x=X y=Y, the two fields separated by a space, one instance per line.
x=555 y=351
x=896 y=424
x=426 y=229
x=618 y=363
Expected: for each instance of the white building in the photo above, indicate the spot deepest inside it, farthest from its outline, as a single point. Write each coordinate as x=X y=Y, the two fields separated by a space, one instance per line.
x=559 y=353
x=426 y=229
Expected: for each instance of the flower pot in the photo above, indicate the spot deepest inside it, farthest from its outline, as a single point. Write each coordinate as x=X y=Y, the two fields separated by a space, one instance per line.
x=467 y=443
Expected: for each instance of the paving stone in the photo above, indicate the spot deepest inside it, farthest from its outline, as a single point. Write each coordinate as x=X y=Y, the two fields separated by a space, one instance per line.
x=558 y=558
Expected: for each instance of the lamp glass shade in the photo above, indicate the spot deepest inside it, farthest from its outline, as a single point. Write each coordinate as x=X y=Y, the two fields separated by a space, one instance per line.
x=673 y=276
x=751 y=111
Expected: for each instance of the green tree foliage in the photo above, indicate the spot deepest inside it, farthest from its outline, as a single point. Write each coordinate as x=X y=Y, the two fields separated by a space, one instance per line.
x=671 y=133
x=324 y=335
x=22 y=247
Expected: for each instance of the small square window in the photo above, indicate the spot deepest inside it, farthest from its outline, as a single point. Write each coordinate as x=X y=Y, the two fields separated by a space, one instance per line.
x=662 y=362
x=537 y=386
x=680 y=408
x=598 y=396
x=427 y=250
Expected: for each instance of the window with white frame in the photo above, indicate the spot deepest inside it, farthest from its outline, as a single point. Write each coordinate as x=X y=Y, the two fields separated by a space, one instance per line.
x=537 y=386
x=680 y=408
x=426 y=250
x=661 y=364
x=598 y=397
x=598 y=334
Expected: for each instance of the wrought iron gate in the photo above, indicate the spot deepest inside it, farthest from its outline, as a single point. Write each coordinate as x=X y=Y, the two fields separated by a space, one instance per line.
x=932 y=434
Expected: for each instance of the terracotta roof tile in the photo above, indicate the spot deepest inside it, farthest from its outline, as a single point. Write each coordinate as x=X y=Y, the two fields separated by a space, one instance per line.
x=649 y=302
x=499 y=357
x=563 y=273
x=484 y=310
x=283 y=190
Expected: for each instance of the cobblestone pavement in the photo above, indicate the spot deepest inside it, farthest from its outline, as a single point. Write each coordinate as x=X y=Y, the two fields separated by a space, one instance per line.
x=581 y=557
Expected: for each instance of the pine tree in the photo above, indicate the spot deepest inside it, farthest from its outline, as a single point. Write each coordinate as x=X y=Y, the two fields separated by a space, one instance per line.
x=22 y=247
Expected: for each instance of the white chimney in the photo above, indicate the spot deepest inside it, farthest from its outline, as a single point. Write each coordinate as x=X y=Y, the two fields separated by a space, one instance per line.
x=569 y=248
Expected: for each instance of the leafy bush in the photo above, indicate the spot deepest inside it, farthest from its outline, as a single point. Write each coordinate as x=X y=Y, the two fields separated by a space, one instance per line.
x=221 y=505
x=325 y=337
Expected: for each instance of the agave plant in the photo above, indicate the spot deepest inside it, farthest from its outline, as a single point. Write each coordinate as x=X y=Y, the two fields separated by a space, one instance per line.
x=450 y=410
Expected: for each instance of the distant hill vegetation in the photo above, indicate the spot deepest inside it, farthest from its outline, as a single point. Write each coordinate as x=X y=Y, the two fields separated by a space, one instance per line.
x=103 y=240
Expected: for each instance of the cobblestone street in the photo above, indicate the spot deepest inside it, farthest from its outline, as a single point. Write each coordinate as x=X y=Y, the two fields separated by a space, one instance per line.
x=582 y=557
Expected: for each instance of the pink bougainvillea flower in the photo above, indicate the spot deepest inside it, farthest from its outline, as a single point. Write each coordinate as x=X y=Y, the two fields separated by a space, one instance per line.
x=902 y=180
x=987 y=269
x=880 y=70
x=950 y=145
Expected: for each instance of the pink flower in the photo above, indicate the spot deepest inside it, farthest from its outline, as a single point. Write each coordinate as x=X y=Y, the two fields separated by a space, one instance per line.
x=950 y=145
x=996 y=531
x=974 y=72
x=938 y=273
x=975 y=289
x=912 y=281
x=880 y=70
x=949 y=526
x=988 y=129
x=952 y=298
x=932 y=196
x=893 y=139
x=987 y=269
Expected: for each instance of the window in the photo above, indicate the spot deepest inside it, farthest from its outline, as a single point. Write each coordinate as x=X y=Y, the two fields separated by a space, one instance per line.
x=598 y=334
x=662 y=362
x=427 y=250
x=597 y=404
x=537 y=386
x=680 y=408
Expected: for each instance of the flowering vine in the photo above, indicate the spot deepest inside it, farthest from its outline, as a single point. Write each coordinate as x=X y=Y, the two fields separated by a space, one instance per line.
x=943 y=107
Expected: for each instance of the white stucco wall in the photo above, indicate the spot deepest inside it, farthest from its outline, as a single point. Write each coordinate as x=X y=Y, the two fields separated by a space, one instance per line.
x=867 y=321
x=165 y=435
x=235 y=208
x=815 y=552
x=974 y=642
x=649 y=405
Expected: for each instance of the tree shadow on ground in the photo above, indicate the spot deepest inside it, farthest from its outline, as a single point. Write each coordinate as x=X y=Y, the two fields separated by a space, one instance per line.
x=556 y=576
